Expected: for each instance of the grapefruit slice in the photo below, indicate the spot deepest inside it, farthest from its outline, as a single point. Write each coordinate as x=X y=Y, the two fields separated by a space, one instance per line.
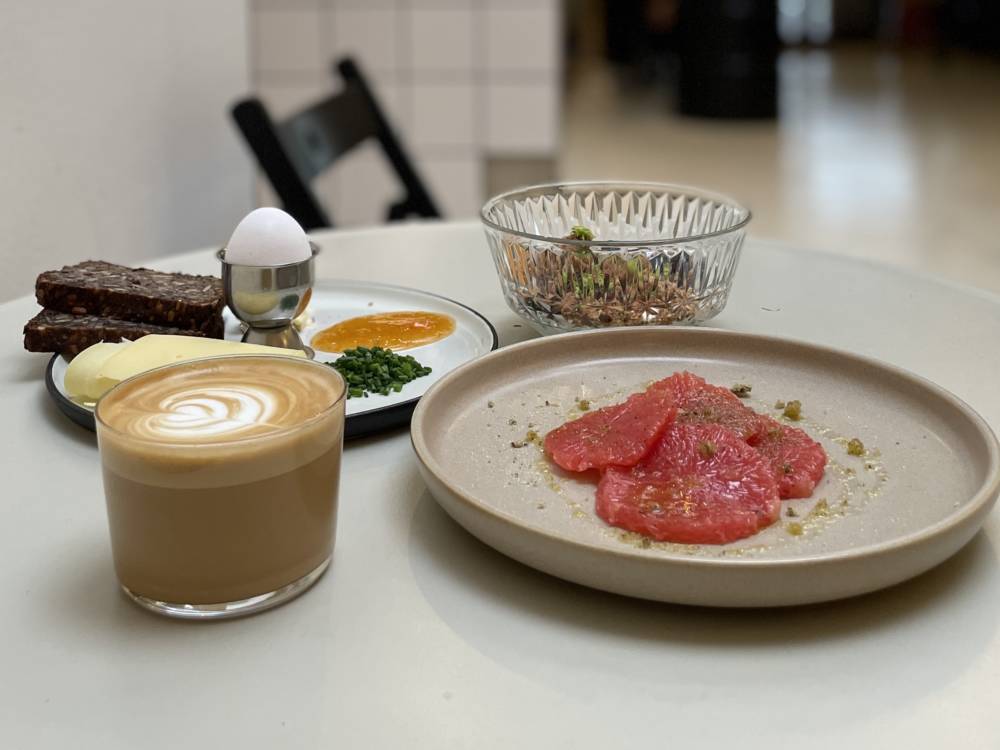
x=700 y=484
x=796 y=459
x=618 y=435
x=700 y=402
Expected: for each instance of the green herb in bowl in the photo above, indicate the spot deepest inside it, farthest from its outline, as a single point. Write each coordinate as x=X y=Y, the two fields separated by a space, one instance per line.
x=377 y=370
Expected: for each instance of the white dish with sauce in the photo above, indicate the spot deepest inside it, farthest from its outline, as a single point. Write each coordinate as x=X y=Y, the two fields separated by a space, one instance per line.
x=339 y=300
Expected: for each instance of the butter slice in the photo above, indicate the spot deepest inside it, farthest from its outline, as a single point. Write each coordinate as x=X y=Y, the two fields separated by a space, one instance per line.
x=91 y=381
x=81 y=379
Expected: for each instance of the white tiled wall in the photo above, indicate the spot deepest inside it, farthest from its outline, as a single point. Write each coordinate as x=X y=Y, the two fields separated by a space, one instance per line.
x=369 y=33
x=443 y=40
x=273 y=48
x=461 y=80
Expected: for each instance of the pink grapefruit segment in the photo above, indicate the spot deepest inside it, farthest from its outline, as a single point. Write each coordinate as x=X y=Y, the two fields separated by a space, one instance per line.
x=797 y=460
x=700 y=484
x=618 y=435
x=700 y=402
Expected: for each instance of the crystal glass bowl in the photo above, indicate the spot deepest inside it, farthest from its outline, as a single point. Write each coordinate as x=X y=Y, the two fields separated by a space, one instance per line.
x=593 y=254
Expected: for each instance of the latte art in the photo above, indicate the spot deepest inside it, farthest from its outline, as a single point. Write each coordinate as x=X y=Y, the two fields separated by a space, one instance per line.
x=202 y=412
x=230 y=400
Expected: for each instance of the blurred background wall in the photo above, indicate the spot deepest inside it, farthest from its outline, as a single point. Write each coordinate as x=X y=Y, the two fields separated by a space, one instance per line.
x=114 y=142
x=866 y=127
x=474 y=87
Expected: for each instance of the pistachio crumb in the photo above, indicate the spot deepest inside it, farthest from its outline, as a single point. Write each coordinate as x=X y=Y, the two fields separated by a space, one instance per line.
x=490 y=404
x=580 y=233
x=512 y=421
x=791 y=512
x=793 y=410
x=794 y=528
x=855 y=447
x=742 y=390
x=583 y=404
x=786 y=468
x=517 y=443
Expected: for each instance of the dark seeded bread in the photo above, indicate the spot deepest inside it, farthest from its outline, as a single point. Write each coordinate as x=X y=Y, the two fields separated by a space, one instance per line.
x=52 y=331
x=139 y=294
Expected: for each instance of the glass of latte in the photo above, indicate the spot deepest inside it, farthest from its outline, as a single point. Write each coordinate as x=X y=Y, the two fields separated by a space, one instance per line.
x=221 y=479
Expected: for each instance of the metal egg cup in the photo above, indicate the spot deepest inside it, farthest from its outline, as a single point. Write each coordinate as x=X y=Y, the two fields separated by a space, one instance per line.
x=267 y=299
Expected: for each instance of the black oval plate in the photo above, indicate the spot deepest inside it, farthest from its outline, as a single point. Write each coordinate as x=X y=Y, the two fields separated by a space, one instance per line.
x=338 y=300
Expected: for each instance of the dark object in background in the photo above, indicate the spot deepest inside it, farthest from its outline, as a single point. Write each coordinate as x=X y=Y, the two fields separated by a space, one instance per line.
x=970 y=24
x=639 y=40
x=728 y=52
x=292 y=152
x=862 y=19
x=624 y=31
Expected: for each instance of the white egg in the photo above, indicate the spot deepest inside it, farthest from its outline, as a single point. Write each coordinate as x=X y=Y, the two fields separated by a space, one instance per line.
x=267 y=237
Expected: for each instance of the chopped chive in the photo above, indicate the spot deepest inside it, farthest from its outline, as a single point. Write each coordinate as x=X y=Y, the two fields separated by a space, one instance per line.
x=368 y=370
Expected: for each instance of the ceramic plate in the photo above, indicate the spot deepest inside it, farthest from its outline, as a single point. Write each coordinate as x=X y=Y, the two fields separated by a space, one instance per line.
x=333 y=301
x=928 y=478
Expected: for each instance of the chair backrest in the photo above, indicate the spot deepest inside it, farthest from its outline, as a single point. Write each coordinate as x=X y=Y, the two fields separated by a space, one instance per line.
x=294 y=151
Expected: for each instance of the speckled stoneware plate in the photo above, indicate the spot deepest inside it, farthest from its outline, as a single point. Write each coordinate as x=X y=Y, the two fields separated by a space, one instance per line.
x=332 y=302
x=929 y=476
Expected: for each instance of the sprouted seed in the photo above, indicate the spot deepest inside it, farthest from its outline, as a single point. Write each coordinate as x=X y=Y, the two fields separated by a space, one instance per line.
x=589 y=288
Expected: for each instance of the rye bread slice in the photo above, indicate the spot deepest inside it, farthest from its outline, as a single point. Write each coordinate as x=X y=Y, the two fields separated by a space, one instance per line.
x=54 y=331
x=108 y=290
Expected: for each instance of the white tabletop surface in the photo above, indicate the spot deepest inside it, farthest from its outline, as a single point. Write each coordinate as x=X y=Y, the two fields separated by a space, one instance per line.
x=421 y=637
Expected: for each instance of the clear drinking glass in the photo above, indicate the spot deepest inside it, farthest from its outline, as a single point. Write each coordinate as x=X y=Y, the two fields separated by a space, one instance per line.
x=650 y=253
x=221 y=478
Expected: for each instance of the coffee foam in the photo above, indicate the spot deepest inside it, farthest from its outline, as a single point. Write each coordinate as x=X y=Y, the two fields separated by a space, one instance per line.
x=220 y=421
x=219 y=400
x=206 y=412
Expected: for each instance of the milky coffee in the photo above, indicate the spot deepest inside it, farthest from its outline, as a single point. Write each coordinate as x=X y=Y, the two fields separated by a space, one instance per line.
x=221 y=476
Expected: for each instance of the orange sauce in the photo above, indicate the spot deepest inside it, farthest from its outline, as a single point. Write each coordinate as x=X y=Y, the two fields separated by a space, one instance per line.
x=393 y=330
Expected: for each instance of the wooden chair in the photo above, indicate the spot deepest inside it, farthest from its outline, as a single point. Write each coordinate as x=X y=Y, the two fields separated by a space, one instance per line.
x=294 y=151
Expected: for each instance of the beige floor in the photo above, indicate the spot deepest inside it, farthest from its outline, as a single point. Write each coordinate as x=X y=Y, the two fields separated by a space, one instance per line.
x=875 y=155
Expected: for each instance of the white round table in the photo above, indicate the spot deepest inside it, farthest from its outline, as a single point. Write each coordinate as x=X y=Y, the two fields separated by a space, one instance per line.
x=420 y=636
